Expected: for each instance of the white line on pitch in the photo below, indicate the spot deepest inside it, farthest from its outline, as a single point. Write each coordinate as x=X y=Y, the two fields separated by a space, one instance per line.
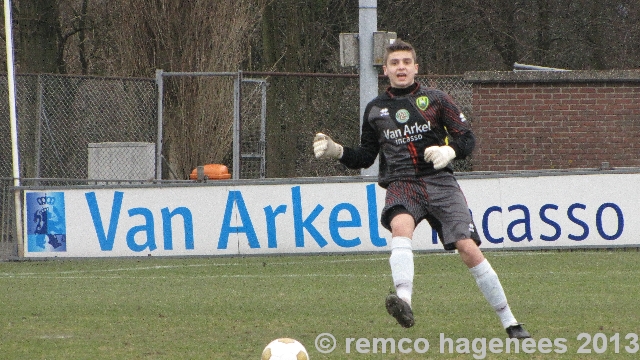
x=270 y=263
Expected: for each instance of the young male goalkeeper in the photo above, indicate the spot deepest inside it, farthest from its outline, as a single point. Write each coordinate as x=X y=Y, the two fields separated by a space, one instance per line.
x=407 y=126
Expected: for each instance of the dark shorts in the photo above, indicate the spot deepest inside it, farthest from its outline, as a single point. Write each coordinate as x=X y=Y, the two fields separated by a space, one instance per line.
x=435 y=198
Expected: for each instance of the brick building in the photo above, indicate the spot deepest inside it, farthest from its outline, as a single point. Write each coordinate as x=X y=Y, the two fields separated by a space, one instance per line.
x=530 y=120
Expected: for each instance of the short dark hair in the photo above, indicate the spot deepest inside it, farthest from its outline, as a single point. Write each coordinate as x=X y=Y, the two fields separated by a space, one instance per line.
x=399 y=45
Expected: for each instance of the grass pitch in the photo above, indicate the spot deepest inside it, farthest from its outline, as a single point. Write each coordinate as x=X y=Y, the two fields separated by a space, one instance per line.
x=230 y=308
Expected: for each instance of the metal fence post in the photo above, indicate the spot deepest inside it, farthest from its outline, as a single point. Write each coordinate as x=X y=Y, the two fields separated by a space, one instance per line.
x=38 y=125
x=159 y=82
x=367 y=25
x=237 y=95
x=263 y=130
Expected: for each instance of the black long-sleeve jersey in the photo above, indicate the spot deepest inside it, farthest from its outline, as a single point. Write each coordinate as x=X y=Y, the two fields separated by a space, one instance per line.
x=400 y=124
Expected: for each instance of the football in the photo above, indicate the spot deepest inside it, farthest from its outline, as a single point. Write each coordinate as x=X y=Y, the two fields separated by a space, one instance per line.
x=285 y=349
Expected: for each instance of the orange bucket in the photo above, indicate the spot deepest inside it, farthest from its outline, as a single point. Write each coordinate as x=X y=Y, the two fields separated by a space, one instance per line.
x=212 y=172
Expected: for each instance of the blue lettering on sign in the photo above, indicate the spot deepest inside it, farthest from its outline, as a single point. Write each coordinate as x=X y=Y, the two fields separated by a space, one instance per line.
x=106 y=239
x=168 y=232
x=546 y=220
x=335 y=224
x=579 y=222
x=235 y=197
x=372 y=208
x=146 y=228
x=619 y=216
x=485 y=225
x=342 y=217
x=524 y=223
x=300 y=224
x=270 y=216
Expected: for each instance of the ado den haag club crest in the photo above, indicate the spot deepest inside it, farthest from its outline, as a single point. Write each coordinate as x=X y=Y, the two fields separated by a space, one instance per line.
x=46 y=223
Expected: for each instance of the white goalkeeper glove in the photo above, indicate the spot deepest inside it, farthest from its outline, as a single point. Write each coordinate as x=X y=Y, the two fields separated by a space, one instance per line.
x=325 y=148
x=440 y=156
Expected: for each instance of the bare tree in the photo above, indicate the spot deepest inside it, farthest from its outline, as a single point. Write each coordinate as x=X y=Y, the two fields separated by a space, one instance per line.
x=37 y=32
x=500 y=19
x=302 y=36
x=544 y=38
x=192 y=36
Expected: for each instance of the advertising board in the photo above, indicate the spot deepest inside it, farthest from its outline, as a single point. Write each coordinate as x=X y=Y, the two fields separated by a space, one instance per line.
x=593 y=210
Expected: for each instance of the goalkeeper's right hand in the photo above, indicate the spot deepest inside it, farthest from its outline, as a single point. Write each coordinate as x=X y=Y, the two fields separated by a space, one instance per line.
x=325 y=148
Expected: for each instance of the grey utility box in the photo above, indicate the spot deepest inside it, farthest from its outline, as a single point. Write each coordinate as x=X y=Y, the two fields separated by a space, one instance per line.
x=381 y=39
x=350 y=43
x=122 y=161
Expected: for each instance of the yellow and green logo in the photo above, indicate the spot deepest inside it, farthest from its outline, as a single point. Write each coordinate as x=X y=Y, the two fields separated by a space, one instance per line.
x=422 y=102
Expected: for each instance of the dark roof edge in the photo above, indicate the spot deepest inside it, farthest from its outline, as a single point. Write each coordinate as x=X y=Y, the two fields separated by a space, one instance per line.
x=541 y=76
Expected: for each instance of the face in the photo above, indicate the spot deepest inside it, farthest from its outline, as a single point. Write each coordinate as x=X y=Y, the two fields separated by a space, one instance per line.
x=401 y=69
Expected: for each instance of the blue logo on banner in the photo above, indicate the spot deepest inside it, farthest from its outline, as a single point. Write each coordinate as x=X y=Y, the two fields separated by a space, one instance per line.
x=46 y=222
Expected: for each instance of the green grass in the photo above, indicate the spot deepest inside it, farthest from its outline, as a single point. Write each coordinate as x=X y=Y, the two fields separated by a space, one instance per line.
x=230 y=308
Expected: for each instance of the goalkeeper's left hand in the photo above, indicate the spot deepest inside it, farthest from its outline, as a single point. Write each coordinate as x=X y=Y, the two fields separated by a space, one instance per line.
x=440 y=156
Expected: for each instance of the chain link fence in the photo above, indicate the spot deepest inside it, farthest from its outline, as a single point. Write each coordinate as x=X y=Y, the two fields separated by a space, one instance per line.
x=59 y=117
x=76 y=128
x=253 y=129
x=8 y=247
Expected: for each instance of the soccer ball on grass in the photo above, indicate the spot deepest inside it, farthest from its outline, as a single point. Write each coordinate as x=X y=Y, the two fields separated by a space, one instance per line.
x=285 y=349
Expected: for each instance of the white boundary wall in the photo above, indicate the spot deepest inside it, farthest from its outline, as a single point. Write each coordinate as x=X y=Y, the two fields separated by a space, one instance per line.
x=597 y=209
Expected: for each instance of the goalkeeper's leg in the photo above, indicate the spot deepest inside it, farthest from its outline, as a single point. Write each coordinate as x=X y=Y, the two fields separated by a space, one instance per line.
x=490 y=286
x=402 y=271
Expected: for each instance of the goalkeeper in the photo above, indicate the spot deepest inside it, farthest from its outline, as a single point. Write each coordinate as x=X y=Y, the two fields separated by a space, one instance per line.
x=408 y=127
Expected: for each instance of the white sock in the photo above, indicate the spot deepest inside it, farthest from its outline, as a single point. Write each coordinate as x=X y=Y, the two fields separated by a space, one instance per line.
x=490 y=286
x=401 y=261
